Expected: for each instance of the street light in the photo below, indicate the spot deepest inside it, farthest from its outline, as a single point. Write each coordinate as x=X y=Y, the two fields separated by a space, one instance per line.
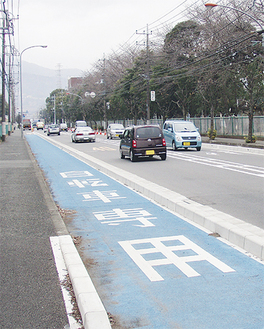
x=21 y=100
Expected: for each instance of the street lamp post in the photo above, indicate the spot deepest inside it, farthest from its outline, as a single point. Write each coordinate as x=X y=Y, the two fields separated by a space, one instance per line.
x=21 y=98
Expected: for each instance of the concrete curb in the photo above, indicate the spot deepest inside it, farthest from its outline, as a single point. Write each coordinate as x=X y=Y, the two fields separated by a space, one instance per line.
x=242 y=234
x=92 y=310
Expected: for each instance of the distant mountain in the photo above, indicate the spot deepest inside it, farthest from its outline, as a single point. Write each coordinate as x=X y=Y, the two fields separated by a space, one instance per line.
x=38 y=82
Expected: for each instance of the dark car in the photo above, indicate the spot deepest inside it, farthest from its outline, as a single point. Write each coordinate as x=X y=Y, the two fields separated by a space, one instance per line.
x=142 y=141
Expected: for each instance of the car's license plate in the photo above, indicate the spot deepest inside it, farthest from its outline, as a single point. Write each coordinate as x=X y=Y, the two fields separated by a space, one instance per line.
x=150 y=152
x=186 y=144
x=117 y=135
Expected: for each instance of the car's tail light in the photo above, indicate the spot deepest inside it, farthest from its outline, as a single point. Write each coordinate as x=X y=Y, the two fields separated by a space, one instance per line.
x=79 y=134
x=163 y=142
x=134 y=143
x=91 y=133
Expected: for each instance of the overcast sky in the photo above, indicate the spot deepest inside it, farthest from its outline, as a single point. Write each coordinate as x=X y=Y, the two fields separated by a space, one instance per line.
x=79 y=32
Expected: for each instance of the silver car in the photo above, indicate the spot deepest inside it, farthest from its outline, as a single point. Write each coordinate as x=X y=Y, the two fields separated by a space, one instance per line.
x=83 y=134
x=53 y=130
x=115 y=130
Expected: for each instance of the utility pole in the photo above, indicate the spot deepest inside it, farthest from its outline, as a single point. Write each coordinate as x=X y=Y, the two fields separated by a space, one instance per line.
x=147 y=73
x=54 y=98
x=3 y=78
x=104 y=93
x=9 y=92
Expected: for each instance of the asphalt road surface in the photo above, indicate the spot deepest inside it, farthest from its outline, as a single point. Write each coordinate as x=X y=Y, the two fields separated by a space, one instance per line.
x=227 y=178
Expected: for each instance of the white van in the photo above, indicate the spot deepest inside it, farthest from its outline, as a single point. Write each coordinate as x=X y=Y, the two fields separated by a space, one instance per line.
x=181 y=134
x=63 y=127
x=80 y=124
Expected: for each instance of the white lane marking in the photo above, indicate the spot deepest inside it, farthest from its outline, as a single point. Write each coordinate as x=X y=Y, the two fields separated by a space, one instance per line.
x=62 y=272
x=176 y=243
x=117 y=216
x=105 y=196
x=222 y=164
x=75 y=174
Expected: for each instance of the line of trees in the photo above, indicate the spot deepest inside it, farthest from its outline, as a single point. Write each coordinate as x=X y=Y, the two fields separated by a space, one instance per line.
x=208 y=65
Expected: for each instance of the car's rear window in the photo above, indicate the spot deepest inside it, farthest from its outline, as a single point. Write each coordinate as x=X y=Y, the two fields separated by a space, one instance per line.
x=148 y=132
x=184 y=127
x=84 y=129
x=117 y=126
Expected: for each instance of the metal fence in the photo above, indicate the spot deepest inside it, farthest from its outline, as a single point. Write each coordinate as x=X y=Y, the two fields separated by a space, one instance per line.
x=231 y=126
x=225 y=126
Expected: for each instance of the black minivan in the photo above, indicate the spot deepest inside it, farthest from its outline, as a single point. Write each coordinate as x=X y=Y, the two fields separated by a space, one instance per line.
x=142 y=141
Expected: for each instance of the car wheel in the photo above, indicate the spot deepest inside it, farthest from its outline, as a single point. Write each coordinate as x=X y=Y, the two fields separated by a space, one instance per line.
x=198 y=148
x=174 y=146
x=72 y=140
x=132 y=157
x=58 y=133
x=163 y=156
x=48 y=134
x=122 y=155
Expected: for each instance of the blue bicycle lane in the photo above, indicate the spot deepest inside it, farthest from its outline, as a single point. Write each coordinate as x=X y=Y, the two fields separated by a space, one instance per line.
x=151 y=268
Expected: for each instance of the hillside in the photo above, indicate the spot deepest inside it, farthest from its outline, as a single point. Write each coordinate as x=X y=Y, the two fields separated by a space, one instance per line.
x=39 y=82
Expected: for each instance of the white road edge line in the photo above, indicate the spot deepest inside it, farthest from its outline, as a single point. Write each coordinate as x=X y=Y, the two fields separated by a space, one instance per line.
x=92 y=310
x=62 y=272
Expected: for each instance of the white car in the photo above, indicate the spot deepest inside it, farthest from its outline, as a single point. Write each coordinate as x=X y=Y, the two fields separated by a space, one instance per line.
x=63 y=126
x=83 y=134
x=53 y=130
x=40 y=125
x=115 y=130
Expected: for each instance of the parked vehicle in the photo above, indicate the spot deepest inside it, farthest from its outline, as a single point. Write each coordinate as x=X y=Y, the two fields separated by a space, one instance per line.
x=114 y=130
x=142 y=141
x=181 y=134
x=63 y=127
x=83 y=134
x=80 y=124
x=53 y=129
x=40 y=125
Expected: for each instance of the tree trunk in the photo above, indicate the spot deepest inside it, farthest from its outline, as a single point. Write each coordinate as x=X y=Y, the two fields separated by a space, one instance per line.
x=212 y=123
x=250 y=125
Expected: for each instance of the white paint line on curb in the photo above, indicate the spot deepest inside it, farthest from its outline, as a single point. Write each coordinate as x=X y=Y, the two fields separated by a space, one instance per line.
x=92 y=310
x=62 y=272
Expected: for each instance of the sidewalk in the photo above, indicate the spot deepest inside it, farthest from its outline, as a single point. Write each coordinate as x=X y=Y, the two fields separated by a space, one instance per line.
x=30 y=292
x=234 y=142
